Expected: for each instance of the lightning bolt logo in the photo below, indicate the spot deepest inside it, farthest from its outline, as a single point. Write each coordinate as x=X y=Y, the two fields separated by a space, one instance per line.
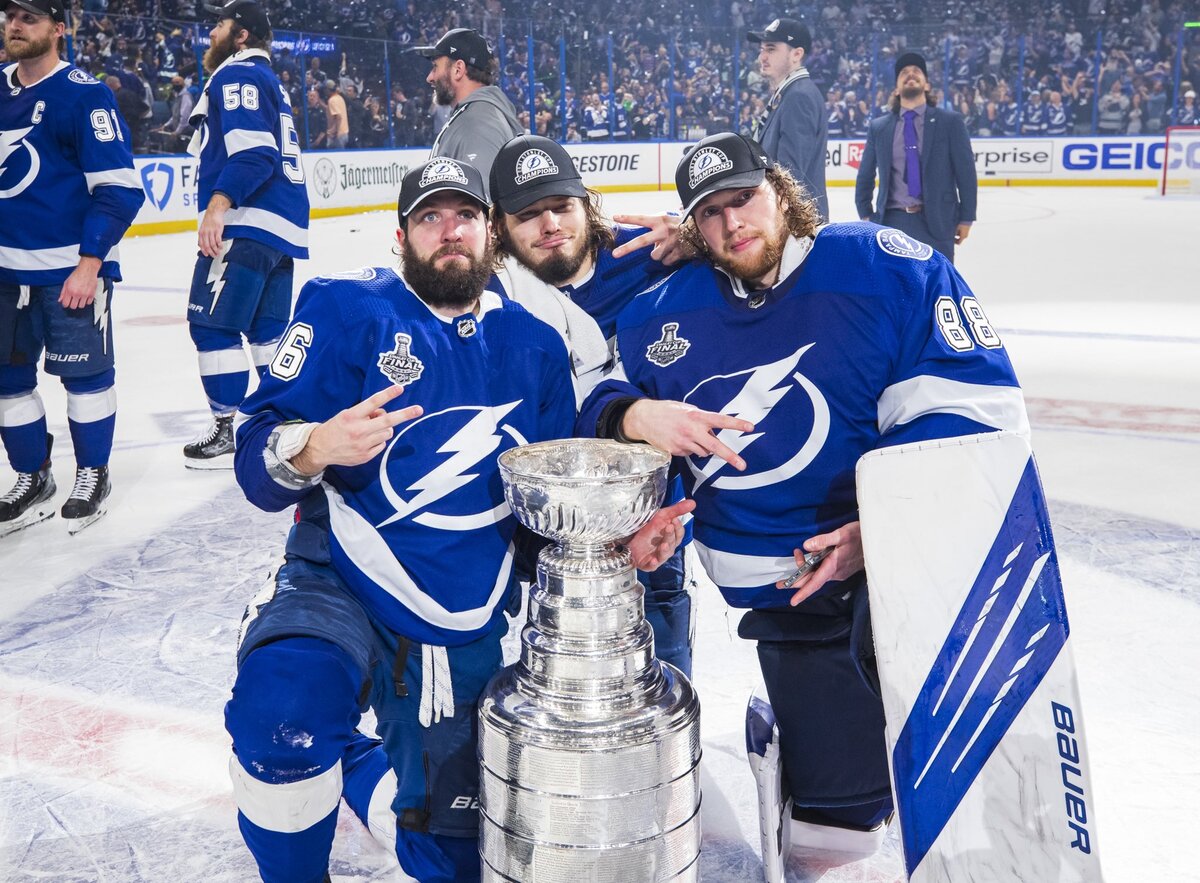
x=762 y=391
x=11 y=141
x=216 y=274
x=467 y=447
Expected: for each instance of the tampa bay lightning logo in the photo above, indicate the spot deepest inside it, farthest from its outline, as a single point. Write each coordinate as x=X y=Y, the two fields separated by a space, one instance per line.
x=82 y=77
x=158 y=180
x=706 y=162
x=781 y=402
x=19 y=162
x=534 y=163
x=902 y=245
x=460 y=485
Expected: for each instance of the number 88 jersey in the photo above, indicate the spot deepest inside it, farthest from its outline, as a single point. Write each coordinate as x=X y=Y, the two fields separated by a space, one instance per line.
x=66 y=171
x=250 y=151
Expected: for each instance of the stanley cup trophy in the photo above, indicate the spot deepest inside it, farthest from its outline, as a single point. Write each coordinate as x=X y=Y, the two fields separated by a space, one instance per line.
x=589 y=747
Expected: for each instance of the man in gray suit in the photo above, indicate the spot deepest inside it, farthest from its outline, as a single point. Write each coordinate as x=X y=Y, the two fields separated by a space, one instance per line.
x=927 y=183
x=794 y=129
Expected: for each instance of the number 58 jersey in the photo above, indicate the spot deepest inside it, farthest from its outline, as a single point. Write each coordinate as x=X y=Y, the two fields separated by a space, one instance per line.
x=67 y=183
x=249 y=150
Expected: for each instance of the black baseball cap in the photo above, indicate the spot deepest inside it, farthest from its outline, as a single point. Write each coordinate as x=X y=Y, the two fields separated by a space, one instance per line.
x=436 y=175
x=246 y=13
x=911 y=58
x=463 y=43
x=529 y=168
x=784 y=30
x=719 y=162
x=56 y=9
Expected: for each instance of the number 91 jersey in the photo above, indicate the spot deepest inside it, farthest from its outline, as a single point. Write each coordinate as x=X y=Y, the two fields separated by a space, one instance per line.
x=249 y=150
x=66 y=172
x=869 y=339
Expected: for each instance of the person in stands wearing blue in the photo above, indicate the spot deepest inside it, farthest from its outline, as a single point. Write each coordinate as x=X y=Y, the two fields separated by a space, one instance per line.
x=922 y=154
x=399 y=566
x=255 y=221
x=68 y=193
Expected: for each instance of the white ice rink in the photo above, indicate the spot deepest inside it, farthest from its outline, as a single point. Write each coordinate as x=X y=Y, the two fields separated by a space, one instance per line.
x=117 y=645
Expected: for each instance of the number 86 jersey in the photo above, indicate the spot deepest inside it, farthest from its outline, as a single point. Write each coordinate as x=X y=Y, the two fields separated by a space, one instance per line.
x=66 y=172
x=249 y=150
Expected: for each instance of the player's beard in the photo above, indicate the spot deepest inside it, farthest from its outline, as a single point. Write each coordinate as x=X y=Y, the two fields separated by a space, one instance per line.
x=218 y=52
x=752 y=269
x=30 y=47
x=442 y=93
x=911 y=91
x=558 y=267
x=454 y=287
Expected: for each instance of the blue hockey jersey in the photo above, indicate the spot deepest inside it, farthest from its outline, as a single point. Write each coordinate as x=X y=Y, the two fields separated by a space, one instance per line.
x=869 y=339
x=421 y=534
x=67 y=183
x=248 y=148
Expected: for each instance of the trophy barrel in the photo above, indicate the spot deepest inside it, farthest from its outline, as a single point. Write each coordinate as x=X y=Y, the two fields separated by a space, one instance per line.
x=589 y=747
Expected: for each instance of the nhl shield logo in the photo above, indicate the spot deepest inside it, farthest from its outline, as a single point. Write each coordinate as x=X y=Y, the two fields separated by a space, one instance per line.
x=669 y=348
x=400 y=366
x=902 y=246
x=706 y=163
x=443 y=169
x=466 y=328
x=534 y=163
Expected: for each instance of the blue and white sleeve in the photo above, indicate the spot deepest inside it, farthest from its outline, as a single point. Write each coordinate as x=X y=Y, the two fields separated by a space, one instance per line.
x=102 y=144
x=249 y=127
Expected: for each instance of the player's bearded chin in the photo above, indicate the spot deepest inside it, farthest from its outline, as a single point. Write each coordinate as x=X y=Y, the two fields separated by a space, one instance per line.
x=556 y=267
x=30 y=47
x=749 y=269
x=453 y=287
x=218 y=52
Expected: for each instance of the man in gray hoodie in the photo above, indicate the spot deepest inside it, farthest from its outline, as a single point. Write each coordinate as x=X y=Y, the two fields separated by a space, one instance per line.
x=483 y=119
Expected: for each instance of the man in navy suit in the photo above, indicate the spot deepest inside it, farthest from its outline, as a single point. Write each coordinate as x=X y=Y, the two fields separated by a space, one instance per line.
x=922 y=154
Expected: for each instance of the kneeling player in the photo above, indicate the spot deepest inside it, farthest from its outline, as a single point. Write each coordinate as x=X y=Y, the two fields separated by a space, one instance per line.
x=396 y=573
x=769 y=369
x=69 y=193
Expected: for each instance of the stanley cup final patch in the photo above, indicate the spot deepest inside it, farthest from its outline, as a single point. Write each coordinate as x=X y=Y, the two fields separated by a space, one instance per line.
x=534 y=163
x=443 y=169
x=668 y=349
x=706 y=163
x=400 y=366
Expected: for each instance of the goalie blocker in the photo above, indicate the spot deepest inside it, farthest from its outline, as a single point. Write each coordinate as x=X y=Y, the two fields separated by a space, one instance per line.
x=985 y=737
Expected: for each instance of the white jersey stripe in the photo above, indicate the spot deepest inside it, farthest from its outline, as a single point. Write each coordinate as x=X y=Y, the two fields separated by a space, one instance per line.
x=730 y=570
x=289 y=807
x=277 y=225
x=1001 y=407
x=62 y=257
x=237 y=140
x=370 y=554
x=113 y=178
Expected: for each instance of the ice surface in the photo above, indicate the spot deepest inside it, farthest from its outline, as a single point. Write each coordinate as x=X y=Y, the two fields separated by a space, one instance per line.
x=117 y=645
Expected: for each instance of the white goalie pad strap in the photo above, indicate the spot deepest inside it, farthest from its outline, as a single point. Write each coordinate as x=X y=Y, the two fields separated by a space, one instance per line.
x=228 y=361
x=92 y=406
x=21 y=410
x=290 y=807
x=984 y=729
x=1002 y=407
x=437 y=691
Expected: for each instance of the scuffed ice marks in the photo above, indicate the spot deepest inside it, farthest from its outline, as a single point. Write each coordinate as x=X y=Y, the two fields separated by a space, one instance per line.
x=160 y=611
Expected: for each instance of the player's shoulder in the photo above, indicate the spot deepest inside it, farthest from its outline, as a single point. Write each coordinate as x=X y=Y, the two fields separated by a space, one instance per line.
x=521 y=327
x=350 y=295
x=77 y=86
x=76 y=78
x=678 y=289
x=247 y=70
x=867 y=259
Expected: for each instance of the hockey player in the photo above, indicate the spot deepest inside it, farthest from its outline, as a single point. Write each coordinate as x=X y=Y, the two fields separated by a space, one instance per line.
x=392 y=591
x=549 y=224
x=68 y=193
x=255 y=220
x=768 y=372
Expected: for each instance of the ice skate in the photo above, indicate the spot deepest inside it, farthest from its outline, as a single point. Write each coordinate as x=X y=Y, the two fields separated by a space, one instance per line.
x=86 y=504
x=214 y=449
x=31 y=498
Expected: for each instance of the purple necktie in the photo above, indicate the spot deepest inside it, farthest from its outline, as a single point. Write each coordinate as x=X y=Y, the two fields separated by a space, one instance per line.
x=912 y=155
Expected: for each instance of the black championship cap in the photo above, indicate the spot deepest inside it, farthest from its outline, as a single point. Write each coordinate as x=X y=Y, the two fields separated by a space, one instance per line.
x=784 y=30
x=434 y=176
x=459 y=43
x=56 y=9
x=719 y=162
x=910 y=58
x=529 y=168
x=245 y=13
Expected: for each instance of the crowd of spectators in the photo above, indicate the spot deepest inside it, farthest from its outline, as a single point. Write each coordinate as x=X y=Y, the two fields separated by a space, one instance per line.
x=670 y=69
